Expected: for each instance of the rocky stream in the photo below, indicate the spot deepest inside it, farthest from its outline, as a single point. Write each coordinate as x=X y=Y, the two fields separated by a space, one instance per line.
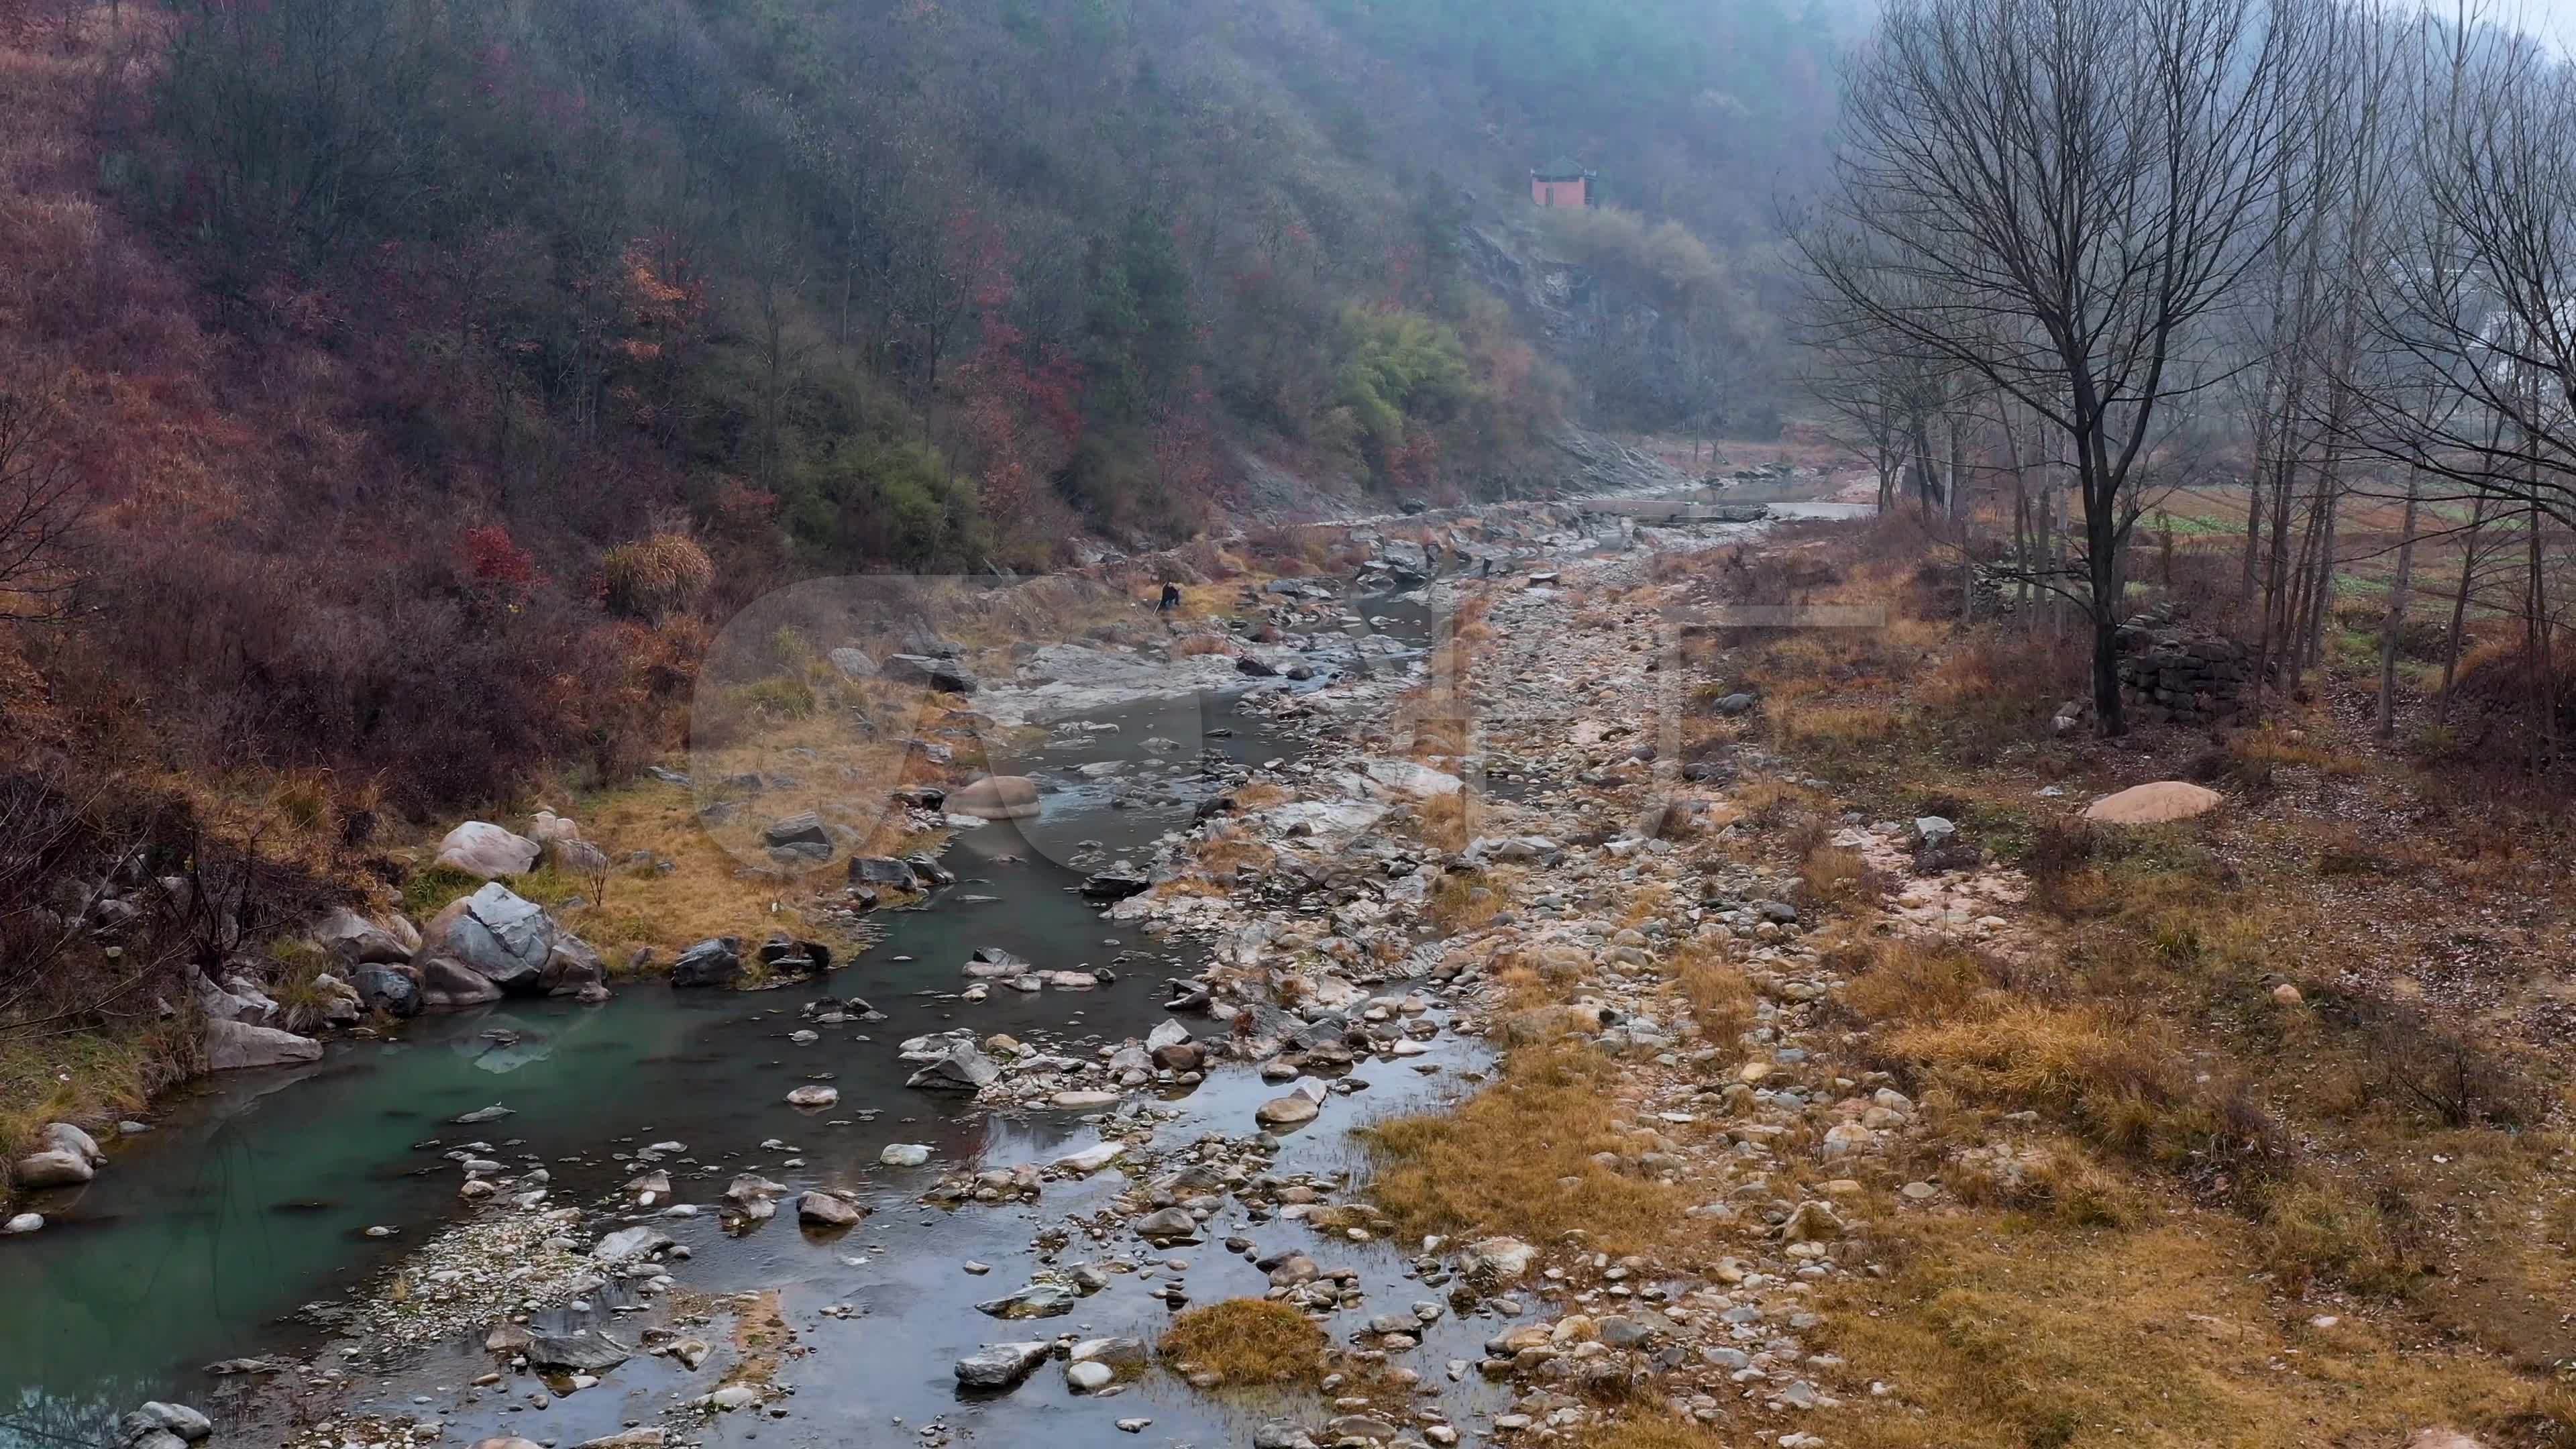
x=953 y=1188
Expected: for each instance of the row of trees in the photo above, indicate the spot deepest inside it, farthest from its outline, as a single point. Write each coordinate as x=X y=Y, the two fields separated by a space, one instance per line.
x=2313 y=248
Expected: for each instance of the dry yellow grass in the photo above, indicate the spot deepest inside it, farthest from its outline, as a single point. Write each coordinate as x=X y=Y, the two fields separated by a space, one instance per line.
x=1463 y=901
x=722 y=881
x=1835 y=880
x=1769 y=801
x=1234 y=847
x=2280 y=747
x=2079 y=1061
x=1721 y=1000
x=1431 y=735
x=2315 y=1228
x=1262 y=795
x=1201 y=643
x=710 y=890
x=1246 y=1341
x=2003 y=1332
x=2212 y=1169
x=1656 y=1431
x=1517 y=1158
x=1831 y=730
x=1909 y=980
x=85 y=1078
x=1442 y=821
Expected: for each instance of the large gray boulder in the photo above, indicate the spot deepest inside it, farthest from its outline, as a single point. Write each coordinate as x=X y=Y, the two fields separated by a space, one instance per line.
x=992 y=963
x=1497 y=1260
x=355 y=939
x=1034 y=1300
x=716 y=962
x=234 y=1045
x=177 y=1420
x=1171 y=1225
x=576 y=858
x=802 y=829
x=447 y=984
x=64 y=1137
x=578 y=1352
x=1288 y=1111
x=573 y=968
x=1115 y=885
x=222 y=1003
x=880 y=870
x=853 y=663
x=932 y=673
x=481 y=848
x=340 y=1004
x=963 y=1069
x=628 y=1245
x=998 y=1366
x=394 y=990
x=498 y=933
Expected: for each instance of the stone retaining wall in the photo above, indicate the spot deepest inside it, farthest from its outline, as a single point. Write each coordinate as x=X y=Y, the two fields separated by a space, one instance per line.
x=2171 y=673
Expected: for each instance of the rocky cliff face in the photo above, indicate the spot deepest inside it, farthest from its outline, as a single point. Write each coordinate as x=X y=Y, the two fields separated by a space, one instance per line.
x=1631 y=360
x=1557 y=297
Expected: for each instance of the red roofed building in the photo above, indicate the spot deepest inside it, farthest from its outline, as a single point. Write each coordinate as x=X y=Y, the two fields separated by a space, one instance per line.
x=1563 y=183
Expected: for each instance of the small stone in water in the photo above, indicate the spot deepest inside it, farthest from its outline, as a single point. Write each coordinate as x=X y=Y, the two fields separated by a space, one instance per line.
x=1088 y=1376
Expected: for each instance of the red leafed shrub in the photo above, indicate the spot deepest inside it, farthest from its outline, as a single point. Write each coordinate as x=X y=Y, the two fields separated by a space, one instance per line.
x=491 y=556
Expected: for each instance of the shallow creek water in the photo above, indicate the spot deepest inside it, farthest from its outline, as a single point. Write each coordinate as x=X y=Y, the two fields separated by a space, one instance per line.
x=253 y=1197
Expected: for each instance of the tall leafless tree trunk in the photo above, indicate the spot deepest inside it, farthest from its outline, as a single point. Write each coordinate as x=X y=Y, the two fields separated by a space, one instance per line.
x=2460 y=607
x=2057 y=197
x=2393 y=633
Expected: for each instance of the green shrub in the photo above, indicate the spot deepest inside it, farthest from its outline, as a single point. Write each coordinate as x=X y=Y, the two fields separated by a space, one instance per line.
x=1399 y=370
x=431 y=889
x=779 y=697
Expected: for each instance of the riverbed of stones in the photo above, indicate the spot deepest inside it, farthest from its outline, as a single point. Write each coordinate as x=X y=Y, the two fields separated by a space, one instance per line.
x=1324 y=966
x=1784 y=1148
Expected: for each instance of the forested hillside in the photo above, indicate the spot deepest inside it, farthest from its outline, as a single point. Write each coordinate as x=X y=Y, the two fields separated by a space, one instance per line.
x=424 y=370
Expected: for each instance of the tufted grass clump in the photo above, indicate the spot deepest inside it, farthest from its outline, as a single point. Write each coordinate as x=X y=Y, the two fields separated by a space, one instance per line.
x=1246 y=1341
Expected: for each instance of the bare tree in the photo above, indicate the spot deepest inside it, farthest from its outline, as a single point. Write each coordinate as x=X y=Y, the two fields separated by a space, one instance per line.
x=1877 y=388
x=2473 y=315
x=42 y=506
x=2479 y=295
x=2058 y=196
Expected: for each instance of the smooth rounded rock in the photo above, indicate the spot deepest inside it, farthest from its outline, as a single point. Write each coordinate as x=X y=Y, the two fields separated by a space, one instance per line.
x=1089 y=1375
x=56 y=1168
x=823 y=1210
x=2154 y=804
x=997 y=797
x=480 y=848
x=1289 y=1111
